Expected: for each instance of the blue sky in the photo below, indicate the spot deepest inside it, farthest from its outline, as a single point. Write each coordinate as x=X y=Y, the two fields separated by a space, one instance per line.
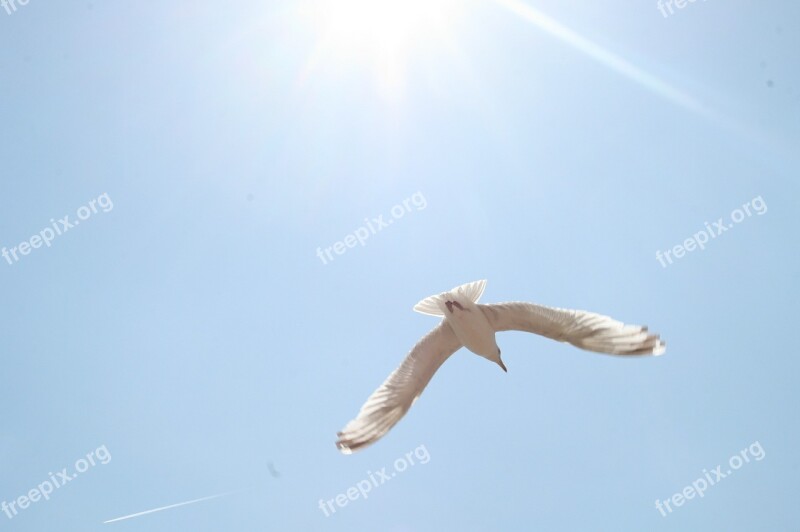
x=193 y=333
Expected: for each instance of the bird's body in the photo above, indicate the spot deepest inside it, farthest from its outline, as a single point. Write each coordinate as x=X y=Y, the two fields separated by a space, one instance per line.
x=469 y=324
x=461 y=313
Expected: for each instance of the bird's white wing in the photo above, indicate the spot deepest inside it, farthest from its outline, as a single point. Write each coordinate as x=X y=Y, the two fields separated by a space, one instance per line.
x=389 y=403
x=586 y=330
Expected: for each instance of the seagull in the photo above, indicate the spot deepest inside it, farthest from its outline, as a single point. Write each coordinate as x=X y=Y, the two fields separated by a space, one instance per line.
x=469 y=324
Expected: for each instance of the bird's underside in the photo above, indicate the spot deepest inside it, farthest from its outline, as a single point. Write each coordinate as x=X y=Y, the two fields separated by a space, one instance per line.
x=586 y=330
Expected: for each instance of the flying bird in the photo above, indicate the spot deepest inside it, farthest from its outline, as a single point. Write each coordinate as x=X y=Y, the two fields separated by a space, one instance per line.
x=273 y=471
x=469 y=324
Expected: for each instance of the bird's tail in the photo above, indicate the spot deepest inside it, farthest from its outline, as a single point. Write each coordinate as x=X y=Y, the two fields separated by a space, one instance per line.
x=432 y=306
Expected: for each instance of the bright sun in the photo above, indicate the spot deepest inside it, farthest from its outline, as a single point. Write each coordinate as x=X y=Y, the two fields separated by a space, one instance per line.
x=383 y=33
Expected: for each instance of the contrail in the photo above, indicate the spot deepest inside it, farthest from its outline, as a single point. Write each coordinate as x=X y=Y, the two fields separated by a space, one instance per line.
x=595 y=51
x=169 y=507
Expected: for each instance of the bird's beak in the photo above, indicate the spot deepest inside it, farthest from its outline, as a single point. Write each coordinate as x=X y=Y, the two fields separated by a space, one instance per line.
x=500 y=363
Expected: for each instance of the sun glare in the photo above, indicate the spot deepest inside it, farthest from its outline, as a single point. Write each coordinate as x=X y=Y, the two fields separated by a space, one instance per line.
x=381 y=33
x=381 y=23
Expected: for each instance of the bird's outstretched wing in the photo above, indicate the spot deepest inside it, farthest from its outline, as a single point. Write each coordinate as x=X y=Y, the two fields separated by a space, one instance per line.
x=586 y=330
x=389 y=403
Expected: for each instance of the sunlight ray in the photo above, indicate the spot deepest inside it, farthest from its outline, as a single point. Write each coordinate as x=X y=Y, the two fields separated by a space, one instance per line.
x=597 y=52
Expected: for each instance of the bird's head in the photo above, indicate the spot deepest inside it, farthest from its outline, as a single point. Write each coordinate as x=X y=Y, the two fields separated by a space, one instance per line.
x=500 y=361
x=493 y=354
